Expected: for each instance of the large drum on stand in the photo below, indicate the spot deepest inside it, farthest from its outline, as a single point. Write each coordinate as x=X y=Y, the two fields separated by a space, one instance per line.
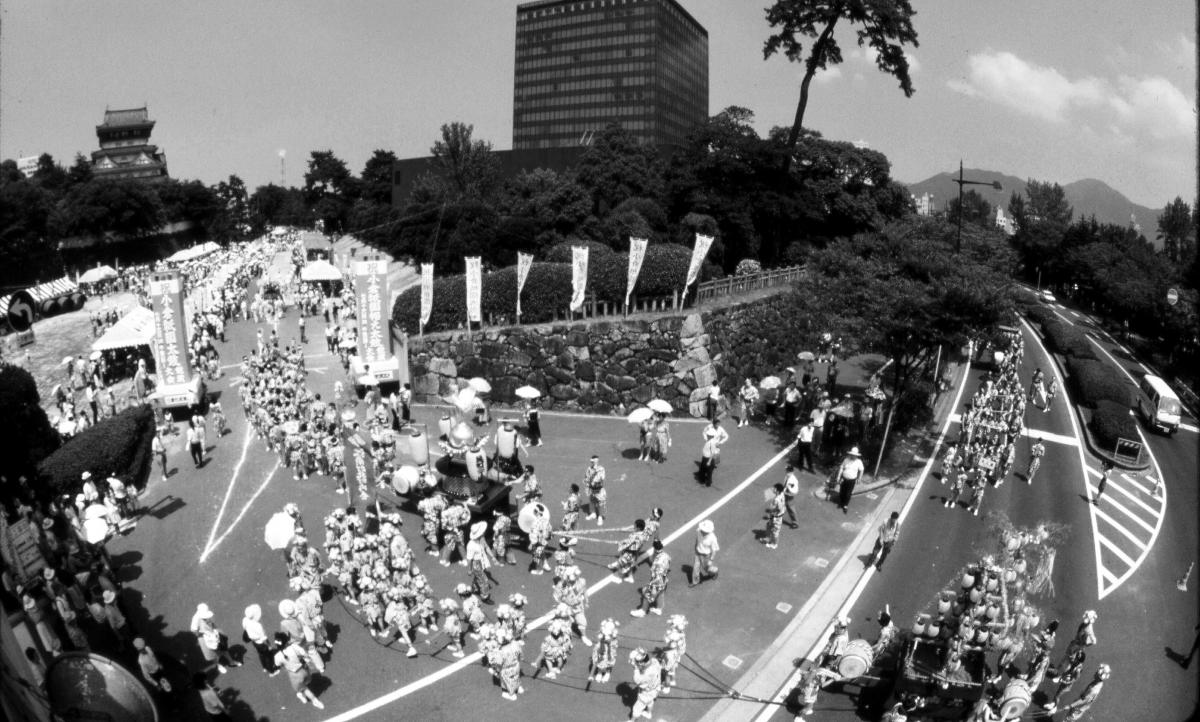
x=856 y=660
x=1017 y=696
x=525 y=518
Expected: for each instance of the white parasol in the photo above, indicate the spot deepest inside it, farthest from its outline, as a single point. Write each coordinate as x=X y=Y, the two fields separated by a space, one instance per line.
x=291 y=427
x=660 y=406
x=527 y=392
x=770 y=382
x=464 y=400
x=806 y=356
x=95 y=530
x=96 y=355
x=640 y=415
x=66 y=360
x=279 y=531
x=480 y=385
x=348 y=416
x=97 y=511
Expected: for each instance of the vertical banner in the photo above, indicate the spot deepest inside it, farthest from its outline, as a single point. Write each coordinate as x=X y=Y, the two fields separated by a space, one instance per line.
x=579 y=258
x=637 y=253
x=524 y=263
x=474 y=289
x=698 y=254
x=359 y=466
x=170 y=328
x=371 y=293
x=426 y=292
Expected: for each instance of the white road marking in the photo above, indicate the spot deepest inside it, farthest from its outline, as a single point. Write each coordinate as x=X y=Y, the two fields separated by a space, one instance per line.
x=213 y=547
x=1116 y=486
x=1136 y=484
x=1108 y=576
x=1108 y=499
x=1141 y=545
x=794 y=678
x=1038 y=433
x=1189 y=427
x=228 y=491
x=1117 y=551
x=474 y=658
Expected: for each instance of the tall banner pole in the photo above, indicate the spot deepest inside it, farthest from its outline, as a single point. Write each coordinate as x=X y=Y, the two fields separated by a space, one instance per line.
x=637 y=253
x=524 y=263
x=370 y=287
x=579 y=270
x=699 y=251
x=474 y=291
x=426 y=295
x=170 y=329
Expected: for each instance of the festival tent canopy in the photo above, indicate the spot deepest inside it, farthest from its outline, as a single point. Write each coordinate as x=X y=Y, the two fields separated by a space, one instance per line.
x=136 y=328
x=320 y=271
x=194 y=252
x=97 y=274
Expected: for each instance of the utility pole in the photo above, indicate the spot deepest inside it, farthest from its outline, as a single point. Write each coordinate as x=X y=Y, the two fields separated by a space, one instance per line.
x=959 y=180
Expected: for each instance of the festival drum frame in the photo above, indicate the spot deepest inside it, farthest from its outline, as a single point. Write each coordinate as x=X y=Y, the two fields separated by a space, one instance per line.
x=856 y=660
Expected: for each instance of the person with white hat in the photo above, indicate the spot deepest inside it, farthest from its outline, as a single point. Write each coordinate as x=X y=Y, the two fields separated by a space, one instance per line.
x=294 y=659
x=210 y=639
x=152 y=669
x=706 y=548
x=256 y=635
x=838 y=639
x=647 y=677
x=90 y=493
x=1085 y=636
x=116 y=620
x=848 y=475
x=479 y=560
x=674 y=649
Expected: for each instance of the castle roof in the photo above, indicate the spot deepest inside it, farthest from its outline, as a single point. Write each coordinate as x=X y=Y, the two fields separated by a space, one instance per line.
x=129 y=116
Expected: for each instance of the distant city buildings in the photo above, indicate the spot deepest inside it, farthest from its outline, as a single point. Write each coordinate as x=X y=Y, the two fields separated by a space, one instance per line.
x=924 y=203
x=582 y=64
x=1004 y=223
x=125 y=148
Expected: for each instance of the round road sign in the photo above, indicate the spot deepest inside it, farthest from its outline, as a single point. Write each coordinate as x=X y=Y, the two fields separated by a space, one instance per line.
x=1172 y=296
x=20 y=311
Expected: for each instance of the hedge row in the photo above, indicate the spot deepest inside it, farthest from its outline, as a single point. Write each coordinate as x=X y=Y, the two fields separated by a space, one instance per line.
x=547 y=289
x=1067 y=340
x=1039 y=313
x=1112 y=421
x=1093 y=382
x=119 y=446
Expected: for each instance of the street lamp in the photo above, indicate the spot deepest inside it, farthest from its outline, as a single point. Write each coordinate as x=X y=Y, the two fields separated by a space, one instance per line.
x=959 y=180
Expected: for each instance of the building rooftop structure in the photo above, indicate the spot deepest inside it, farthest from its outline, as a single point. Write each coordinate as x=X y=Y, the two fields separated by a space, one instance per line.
x=125 y=148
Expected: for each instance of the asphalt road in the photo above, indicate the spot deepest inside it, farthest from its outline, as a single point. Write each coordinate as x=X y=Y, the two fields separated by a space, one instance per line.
x=1141 y=617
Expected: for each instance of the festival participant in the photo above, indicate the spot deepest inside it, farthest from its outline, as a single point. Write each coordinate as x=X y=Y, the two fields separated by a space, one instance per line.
x=747 y=397
x=1036 y=452
x=1067 y=677
x=570 y=505
x=647 y=677
x=653 y=522
x=533 y=425
x=604 y=654
x=674 y=649
x=888 y=633
x=774 y=514
x=710 y=453
x=836 y=646
x=1077 y=709
x=655 y=589
x=706 y=548
x=531 y=491
x=628 y=551
x=889 y=532
x=556 y=648
x=848 y=475
x=152 y=669
x=509 y=655
x=977 y=490
x=431 y=508
x=646 y=438
x=212 y=646
x=479 y=559
x=593 y=480
x=572 y=592
x=254 y=633
x=453 y=626
x=1085 y=636
x=662 y=438
x=501 y=542
x=539 y=537
x=516 y=619
x=294 y=659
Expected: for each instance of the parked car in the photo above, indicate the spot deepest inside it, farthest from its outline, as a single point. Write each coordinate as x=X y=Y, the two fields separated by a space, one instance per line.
x=1046 y=296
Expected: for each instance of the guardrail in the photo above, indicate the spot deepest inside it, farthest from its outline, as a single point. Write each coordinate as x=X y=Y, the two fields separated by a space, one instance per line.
x=732 y=285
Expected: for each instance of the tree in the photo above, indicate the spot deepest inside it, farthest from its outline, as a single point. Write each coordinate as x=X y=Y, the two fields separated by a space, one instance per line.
x=25 y=210
x=377 y=177
x=80 y=171
x=616 y=167
x=188 y=201
x=1042 y=217
x=273 y=205
x=1177 y=231
x=124 y=208
x=975 y=209
x=552 y=204
x=50 y=175
x=466 y=166
x=883 y=25
x=329 y=188
x=234 y=221
x=27 y=434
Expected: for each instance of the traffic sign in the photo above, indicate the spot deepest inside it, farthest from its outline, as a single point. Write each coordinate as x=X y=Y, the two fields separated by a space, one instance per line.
x=20 y=311
x=1172 y=296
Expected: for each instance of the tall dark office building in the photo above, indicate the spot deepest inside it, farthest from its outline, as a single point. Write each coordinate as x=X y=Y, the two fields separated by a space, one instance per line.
x=582 y=64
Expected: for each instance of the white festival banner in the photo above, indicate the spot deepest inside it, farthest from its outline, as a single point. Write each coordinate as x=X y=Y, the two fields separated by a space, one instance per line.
x=637 y=253
x=474 y=288
x=579 y=268
x=524 y=263
x=426 y=292
x=698 y=253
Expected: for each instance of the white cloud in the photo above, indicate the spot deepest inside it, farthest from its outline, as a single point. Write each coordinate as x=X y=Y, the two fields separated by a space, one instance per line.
x=1181 y=51
x=1149 y=105
x=827 y=75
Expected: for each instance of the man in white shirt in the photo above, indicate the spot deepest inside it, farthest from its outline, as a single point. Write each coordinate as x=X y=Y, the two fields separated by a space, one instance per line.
x=848 y=475
x=804 y=444
x=710 y=453
x=791 y=488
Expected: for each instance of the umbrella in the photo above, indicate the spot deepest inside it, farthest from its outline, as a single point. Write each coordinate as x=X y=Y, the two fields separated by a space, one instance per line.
x=66 y=360
x=291 y=427
x=280 y=531
x=660 y=406
x=348 y=416
x=97 y=274
x=465 y=399
x=640 y=415
x=770 y=382
x=96 y=355
x=348 y=343
x=791 y=370
x=405 y=478
x=527 y=392
x=95 y=530
x=846 y=411
x=481 y=386
x=805 y=356
x=97 y=511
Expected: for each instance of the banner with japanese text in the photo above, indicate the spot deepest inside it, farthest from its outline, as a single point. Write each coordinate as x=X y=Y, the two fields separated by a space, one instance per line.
x=524 y=263
x=426 y=292
x=359 y=466
x=579 y=263
x=698 y=253
x=170 y=329
x=474 y=289
x=637 y=253
x=372 y=294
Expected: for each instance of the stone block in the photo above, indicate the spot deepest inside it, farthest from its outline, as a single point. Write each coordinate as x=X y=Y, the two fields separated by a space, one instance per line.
x=621 y=383
x=587 y=398
x=698 y=394
x=585 y=371
x=578 y=338
x=471 y=366
x=563 y=392
x=685 y=365
x=517 y=357
x=693 y=325
x=536 y=379
x=665 y=381
x=699 y=353
x=642 y=394
x=426 y=384
x=658 y=369
x=684 y=387
x=443 y=366
x=566 y=360
x=622 y=353
x=705 y=375
x=554 y=345
x=560 y=375
x=579 y=352
x=601 y=407
x=697 y=409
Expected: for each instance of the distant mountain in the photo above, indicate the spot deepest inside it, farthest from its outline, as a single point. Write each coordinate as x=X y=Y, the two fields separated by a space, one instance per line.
x=1088 y=197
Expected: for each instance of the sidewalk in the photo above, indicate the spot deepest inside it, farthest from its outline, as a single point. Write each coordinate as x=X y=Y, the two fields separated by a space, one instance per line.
x=772 y=676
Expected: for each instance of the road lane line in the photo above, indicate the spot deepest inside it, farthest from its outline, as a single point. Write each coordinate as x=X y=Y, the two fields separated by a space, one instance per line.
x=1108 y=576
x=474 y=657
x=794 y=678
x=1043 y=435
x=1117 y=551
x=228 y=492
x=1137 y=484
x=213 y=547
x=1141 y=545
x=1109 y=500
x=1189 y=427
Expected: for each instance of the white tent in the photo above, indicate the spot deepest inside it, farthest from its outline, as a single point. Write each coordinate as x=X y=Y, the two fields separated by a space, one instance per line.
x=320 y=270
x=194 y=252
x=135 y=328
x=97 y=274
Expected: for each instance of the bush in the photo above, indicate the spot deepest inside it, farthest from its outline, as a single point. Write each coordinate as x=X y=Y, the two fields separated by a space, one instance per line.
x=747 y=267
x=547 y=289
x=1093 y=382
x=1040 y=314
x=1112 y=421
x=1081 y=348
x=1062 y=337
x=119 y=446
x=912 y=407
x=26 y=436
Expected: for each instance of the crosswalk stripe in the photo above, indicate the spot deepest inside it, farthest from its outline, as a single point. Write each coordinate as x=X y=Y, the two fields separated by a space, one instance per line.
x=1136 y=483
x=1108 y=576
x=1117 y=551
x=1116 y=525
x=1118 y=487
x=1114 y=502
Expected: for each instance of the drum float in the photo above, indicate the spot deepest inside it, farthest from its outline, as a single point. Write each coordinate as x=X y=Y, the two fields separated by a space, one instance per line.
x=525 y=518
x=856 y=660
x=1016 y=698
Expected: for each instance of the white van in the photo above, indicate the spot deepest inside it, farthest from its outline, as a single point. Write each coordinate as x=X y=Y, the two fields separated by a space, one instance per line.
x=1159 y=404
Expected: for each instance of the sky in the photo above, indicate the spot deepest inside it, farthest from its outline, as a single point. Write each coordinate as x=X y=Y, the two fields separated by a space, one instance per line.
x=1057 y=91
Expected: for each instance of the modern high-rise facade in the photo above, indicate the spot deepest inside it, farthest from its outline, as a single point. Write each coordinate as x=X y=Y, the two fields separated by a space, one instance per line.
x=582 y=64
